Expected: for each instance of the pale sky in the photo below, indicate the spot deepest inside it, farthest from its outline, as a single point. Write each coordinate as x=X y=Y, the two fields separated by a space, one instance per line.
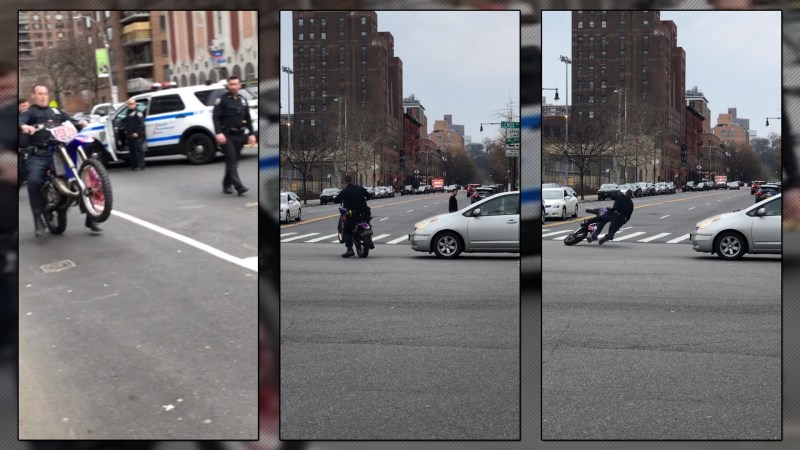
x=733 y=57
x=464 y=63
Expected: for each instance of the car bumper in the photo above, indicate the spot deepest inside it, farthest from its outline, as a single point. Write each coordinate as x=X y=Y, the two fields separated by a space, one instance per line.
x=702 y=242
x=552 y=211
x=420 y=242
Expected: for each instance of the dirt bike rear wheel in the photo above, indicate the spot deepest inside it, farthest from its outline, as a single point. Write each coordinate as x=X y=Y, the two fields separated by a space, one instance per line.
x=98 y=198
x=55 y=215
x=574 y=238
x=361 y=249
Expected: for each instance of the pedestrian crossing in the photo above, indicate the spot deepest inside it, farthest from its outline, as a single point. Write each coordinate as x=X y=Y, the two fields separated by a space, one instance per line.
x=312 y=238
x=624 y=235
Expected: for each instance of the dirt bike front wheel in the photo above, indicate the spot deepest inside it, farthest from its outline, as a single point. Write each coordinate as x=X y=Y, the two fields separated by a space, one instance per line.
x=574 y=238
x=97 y=198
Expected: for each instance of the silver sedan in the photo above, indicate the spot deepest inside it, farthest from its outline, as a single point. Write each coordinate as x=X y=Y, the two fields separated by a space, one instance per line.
x=490 y=225
x=756 y=229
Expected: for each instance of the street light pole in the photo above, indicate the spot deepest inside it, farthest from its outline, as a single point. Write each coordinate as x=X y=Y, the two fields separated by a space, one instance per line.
x=566 y=62
x=114 y=98
x=289 y=71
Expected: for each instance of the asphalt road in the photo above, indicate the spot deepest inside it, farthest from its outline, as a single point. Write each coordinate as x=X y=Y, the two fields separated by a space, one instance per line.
x=393 y=219
x=657 y=341
x=153 y=333
x=400 y=345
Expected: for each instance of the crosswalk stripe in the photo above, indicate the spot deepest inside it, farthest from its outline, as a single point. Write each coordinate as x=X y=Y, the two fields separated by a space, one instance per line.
x=288 y=234
x=676 y=240
x=560 y=238
x=322 y=238
x=380 y=236
x=398 y=240
x=299 y=237
x=628 y=236
x=653 y=238
x=556 y=232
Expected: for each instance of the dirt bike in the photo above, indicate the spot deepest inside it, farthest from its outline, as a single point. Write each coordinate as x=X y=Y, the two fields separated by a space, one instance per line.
x=73 y=178
x=586 y=229
x=362 y=233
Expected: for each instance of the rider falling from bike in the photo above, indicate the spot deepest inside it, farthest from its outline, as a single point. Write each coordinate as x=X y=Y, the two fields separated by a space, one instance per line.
x=40 y=112
x=354 y=199
x=619 y=214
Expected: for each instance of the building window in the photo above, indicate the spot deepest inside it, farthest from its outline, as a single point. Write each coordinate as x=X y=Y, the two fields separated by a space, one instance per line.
x=591 y=113
x=591 y=41
x=591 y=99
x=341 y=23
x=300 y=37
x=341 y=35
x=311 y=36
x=580 y=54
x=602 y=24
x=580 y=41
x=591 y=24
x=591 y=56
x=323 y=63
x=310 y=22
x=645 y=23
x=580 y=24
x=580 y=113
x=603 y=99
x=591 y=85
x=323 y=22
x=313 y=108
x=363 y=21
x=324 y=80
x=363 y=34
x=311 y=66
x=300 y=22
x=300 y=80
x=622 y=54
x=162 y=22
x=164 y=48
x=312 y=121
x=324 y=36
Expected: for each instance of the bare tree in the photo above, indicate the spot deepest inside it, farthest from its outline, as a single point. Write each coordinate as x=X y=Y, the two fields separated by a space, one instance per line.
x=56 y=70
x=309 y=149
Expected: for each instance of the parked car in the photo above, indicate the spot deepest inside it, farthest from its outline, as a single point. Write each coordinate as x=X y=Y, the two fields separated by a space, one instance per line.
x=551 y=185
x=558 y=202
x=605 y=191
x=756 y=229
x=471 y=187
x=424 y=189
x=689 y=186
x=390 y=191
x=733 y=185
x=327 y=195
x=480 y=193
x=292 y=195
x=670 y=187
x=661 y=188
x=490 y=225
x=381 y=192
x=290 y=208
x=643 y=190
x=755 y=185
x=626 y=189
x=766 y=191
x=407 y=190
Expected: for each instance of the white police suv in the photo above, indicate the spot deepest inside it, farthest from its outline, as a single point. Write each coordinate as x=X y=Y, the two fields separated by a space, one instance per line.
x=178 y=121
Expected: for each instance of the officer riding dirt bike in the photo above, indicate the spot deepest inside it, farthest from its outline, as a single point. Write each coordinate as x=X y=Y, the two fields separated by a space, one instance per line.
x=356 y=212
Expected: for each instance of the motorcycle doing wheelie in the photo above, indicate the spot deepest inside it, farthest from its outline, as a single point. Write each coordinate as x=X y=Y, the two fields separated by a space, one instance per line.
x=362 y=233
x=586 y=229
x=73 y=178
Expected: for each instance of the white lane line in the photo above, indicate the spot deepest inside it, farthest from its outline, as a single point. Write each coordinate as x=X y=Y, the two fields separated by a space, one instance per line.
x=719 y=200
x=252 y=263
x=336 y=241
x=676 y=240
x=425 y=206
x=560 y=238
x=628 y=236
x=664 y=217
x=708 y=204
x=626 y=228
x=693 y=207
x=380 y=236
x=299 y=237
x=191 y=242
x=556 y=232
x=409 y=210
x=653 y=238
x=288 y=234
x=383 y=219
x=323 y=238
x=398 y=240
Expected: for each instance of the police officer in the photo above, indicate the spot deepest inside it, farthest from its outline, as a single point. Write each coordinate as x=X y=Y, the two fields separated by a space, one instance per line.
x=133 y=124
x=39 y=159
x=232 y=125
x=24 y=142
x=353 y=198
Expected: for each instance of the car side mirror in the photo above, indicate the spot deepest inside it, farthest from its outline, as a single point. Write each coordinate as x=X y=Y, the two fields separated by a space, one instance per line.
x=476 y=212
x=761 y=212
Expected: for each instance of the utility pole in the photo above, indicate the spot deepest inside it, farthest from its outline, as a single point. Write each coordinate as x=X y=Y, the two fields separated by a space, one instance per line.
x=289 y=71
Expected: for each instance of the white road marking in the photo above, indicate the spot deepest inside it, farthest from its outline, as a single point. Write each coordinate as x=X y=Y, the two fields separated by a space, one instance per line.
x=664 y=217
x=252 y=264
x=693 y=207
x=288 y=234
x=299 y=237
x=628 y=236
x=191 y=242
x=409 y=210
x=626 y=228
x=425 y=206
x=556 y=232
x=398 y=240
x=383 y=219
x=708 y=204
x=560 y=238
x=653 y=238
x=323 y=238
x=380 y=236
x=676 y=240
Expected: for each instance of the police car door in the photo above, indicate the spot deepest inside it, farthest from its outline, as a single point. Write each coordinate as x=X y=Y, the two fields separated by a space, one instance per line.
x=166 y=119
x=114 y=130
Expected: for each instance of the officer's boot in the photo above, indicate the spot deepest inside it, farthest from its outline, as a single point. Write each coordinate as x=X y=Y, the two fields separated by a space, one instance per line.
x=38 y=224
x=91 y=225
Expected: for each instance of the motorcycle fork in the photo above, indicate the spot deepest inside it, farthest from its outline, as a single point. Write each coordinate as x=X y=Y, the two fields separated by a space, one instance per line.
x=71 y=164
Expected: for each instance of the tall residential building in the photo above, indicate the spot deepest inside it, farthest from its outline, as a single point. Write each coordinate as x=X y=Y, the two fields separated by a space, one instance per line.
x=192 y=36
x=744 y=123
x=699 y=102
x=636 y=54
x=342 y=55
x=144 y=42
x=457 y=128
x=413 y=106
x=729 y=132
x=445 y=138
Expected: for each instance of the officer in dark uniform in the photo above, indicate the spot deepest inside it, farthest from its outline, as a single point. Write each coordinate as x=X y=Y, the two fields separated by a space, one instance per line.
x=39 y=159
x=133 y=124
x=24 y=142
x=232 y=125
x=353 y=198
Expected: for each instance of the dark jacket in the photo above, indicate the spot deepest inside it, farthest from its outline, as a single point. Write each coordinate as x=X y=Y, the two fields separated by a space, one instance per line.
x=133 y=123
x=623 y=205
x=36 y=115
x=453 y=203
x=353 y=198
x=231 y=114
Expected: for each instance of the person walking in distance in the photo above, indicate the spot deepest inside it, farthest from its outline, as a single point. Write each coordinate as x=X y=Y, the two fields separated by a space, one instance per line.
x=232 y=124
x=453 y=201
x=133 y=124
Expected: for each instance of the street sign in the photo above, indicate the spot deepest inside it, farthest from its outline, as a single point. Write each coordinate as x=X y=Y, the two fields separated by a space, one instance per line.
x=509 y=124
x=512 y=151
x=512 y=136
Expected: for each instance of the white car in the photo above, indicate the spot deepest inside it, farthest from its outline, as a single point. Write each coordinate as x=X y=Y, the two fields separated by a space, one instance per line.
x=490 y=225
x=559 y=202
x=177 y=121
x=756 y=229
x=290 y=208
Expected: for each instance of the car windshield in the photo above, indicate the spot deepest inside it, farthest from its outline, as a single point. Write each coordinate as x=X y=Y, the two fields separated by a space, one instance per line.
x=329 y=191
x=608 y=186
x=552 y=195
